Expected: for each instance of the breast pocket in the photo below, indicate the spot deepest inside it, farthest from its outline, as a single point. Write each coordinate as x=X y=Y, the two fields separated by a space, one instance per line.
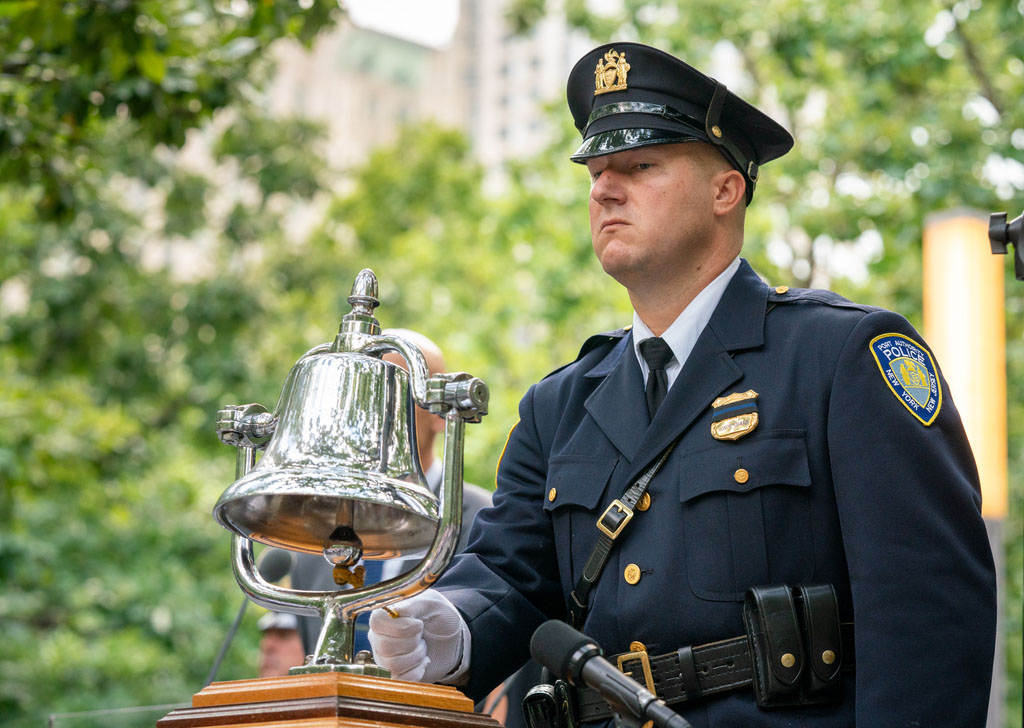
x=746 y=514
x=575 y=489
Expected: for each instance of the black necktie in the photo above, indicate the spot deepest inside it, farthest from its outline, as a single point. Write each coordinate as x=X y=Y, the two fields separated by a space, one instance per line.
x=657 y=354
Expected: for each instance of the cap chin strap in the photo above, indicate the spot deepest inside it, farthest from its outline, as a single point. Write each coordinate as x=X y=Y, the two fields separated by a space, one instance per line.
x=717 y=137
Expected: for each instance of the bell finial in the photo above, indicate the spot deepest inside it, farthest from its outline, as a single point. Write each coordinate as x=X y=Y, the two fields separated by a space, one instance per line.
x=364 y=293
x=360 y=320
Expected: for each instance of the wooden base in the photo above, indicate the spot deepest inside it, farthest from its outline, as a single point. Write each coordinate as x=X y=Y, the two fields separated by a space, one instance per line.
x=328 y=700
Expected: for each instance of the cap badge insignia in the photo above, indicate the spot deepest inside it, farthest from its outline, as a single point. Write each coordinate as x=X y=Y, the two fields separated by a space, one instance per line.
x=734 y=415
x=910 y=373
x=610 y=74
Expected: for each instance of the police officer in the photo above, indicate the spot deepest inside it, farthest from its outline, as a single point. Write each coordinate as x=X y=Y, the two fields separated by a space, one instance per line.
x=811 y=551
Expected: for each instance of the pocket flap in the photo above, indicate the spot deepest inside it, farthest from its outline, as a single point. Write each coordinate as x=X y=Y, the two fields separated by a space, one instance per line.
x=576 y=480
x=767 y=458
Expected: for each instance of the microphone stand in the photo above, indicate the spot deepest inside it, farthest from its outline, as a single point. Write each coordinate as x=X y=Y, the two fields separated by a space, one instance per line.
x=227 y=642
x=270 y=568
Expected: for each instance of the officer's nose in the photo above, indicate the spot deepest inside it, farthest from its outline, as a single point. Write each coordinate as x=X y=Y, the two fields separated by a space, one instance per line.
x=607 y=187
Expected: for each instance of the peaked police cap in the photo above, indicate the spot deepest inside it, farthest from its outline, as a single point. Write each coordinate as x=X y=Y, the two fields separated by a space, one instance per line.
x=628 y=95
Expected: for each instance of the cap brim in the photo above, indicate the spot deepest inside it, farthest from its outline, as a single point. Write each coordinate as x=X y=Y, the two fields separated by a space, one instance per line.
x=277 y=620
x=618 y=140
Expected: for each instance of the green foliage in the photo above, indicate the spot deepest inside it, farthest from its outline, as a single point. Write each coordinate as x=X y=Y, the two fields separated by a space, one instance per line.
x=119 y=327
x=70 y=68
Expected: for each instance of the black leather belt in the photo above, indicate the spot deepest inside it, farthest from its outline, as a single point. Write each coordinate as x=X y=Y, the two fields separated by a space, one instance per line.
x=689 y=673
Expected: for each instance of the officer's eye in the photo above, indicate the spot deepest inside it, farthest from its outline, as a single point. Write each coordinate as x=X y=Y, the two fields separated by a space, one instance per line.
x=640 y=166
x=594 y=175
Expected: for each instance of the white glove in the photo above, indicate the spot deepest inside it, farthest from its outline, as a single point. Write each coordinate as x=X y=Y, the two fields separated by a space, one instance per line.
x=428 y=642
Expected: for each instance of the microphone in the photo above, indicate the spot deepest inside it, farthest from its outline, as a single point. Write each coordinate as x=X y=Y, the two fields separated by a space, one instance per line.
x=573 y=656
x=273 y=565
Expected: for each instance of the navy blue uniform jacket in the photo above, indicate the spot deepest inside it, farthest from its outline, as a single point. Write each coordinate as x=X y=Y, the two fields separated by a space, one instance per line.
x=845 y=485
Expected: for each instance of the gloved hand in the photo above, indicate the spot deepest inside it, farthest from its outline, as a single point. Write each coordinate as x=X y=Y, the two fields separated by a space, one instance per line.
x=427 y=642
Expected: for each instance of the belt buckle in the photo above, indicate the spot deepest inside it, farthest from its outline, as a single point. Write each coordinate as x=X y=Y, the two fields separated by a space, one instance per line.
x=623 y=512
x=645 y=664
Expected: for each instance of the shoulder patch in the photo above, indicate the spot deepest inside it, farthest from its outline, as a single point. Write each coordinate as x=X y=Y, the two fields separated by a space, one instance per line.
x=910 y=373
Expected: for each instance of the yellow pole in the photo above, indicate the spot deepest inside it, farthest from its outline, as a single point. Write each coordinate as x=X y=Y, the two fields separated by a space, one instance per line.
x=964 y=323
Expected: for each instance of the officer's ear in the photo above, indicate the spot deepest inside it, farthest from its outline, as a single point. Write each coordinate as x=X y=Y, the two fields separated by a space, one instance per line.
x=730 y=190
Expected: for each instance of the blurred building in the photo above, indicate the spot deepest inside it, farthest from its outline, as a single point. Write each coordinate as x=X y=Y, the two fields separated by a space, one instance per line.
x=364 y=84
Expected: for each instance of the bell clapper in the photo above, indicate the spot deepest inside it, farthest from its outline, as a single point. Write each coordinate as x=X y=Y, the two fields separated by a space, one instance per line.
x=354 y=576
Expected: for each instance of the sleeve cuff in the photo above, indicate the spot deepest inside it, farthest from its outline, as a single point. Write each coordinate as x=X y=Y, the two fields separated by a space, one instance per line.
x=460 y=675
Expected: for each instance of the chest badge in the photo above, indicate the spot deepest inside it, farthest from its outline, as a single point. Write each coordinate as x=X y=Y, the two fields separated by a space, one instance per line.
x=734 y=415
x=910 y=373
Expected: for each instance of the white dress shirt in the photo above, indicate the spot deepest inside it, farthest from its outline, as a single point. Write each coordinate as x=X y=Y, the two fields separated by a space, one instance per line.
x=683 y=333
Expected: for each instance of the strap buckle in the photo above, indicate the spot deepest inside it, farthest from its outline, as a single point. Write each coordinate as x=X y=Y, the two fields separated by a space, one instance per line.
x=611 y=524
x=645 y=666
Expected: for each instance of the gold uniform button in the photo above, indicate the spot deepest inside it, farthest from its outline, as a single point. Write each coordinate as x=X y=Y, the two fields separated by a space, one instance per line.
x=644 y=502
x=632 y=574
x=637 y=647
x=741 y=476
x=787 y=660
x=551 y=494
x=828 y=657
x=782 y=289
x=717 y=131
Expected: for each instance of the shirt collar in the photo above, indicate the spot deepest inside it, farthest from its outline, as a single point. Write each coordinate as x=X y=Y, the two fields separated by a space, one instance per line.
x=682 y=334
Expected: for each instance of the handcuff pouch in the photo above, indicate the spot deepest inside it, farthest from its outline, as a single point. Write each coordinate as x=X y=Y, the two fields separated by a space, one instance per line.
x=819 y=616
x=777 y=650
x=796 y=644
x=550 y=705
x=540 y=707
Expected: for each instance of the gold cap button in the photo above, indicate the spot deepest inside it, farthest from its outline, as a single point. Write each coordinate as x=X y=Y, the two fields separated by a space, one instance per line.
x=782 y=289
x=741 y=476
x=551 y=494
x=717 y=131
x=828 y=657
x=644 y=503
x=787 y=660
x=632 y=574
x=637 y=647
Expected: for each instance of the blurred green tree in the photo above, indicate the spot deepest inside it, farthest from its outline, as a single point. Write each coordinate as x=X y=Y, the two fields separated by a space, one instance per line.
x=118 y=326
